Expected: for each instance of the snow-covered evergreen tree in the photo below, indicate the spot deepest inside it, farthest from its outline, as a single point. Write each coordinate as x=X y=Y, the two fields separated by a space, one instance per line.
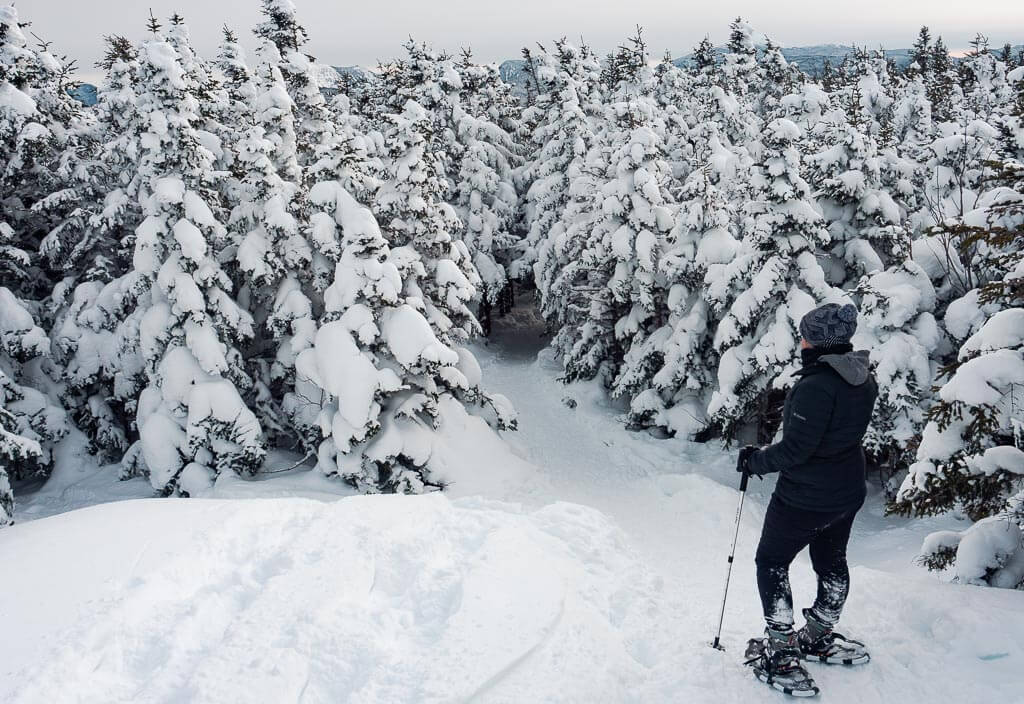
x=94 y=337
x=314 y=124
x=903 y=164
x=864 y=221
x=943 y=91
x=44 y=144
x=1011 y=123
x=697 y=250
x=704 y=59
x=377 y=383
x=565 y=132
x=237 y=80
x=477 y=154
x=773 y=281
x=483 y=189
x=38 y=127
x=17 y=114
x=487 y=203
x=867 y=97
x=16 y=450
x=485 y=95
x=970 y=452
x=214 y=104
x=673 y=92
x=191 y=419
x=954 y=178
x=438 y=274
x=897 y=326
x=627 y=237
x=983 y=82
x=272 y=254
x=725 y=118
x=739 y=65
x=780 y=78
x=432 y=80
x=70 y=185
x=566 y=279
x=920 y=54
x=30 y=423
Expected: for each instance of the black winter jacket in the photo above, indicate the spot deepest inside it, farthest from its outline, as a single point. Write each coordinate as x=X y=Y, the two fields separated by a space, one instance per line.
x=824 y=420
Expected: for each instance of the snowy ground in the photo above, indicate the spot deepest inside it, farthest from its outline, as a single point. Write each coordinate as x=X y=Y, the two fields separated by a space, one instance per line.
x=587 y=567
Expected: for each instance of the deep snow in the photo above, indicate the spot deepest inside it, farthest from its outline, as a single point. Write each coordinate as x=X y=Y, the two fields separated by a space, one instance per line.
x=587 y=569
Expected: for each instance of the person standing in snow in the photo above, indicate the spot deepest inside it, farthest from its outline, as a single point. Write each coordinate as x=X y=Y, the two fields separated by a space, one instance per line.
x=820 y=489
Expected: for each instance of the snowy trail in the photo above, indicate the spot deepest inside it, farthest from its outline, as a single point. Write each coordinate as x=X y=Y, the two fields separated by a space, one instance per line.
x=595 y=577
x=677 y=502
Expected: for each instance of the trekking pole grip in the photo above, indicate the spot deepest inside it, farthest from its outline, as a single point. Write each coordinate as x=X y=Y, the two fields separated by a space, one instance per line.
x=744 y=480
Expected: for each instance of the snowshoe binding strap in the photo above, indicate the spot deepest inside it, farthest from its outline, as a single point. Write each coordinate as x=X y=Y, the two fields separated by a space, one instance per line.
x=827 y=650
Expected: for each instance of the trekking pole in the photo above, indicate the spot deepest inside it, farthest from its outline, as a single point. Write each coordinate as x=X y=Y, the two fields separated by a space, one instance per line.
x=739 y=511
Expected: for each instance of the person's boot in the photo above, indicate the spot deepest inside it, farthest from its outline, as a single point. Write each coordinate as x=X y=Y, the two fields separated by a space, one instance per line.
x=819 y=643
x=776 y=662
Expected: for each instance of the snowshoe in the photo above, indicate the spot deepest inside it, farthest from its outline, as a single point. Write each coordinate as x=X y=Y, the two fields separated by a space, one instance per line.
x=834 y=649
x=780 y=668
x=819 y=643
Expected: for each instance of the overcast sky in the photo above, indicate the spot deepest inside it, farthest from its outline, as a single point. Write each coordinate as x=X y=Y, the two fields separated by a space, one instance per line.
x=344 y=32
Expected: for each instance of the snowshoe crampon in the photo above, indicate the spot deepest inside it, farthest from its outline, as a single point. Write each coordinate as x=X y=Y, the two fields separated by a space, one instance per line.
x=834 y=649
x=781 y=670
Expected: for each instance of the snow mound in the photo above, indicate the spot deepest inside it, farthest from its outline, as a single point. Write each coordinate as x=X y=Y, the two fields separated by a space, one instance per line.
x=367 y=599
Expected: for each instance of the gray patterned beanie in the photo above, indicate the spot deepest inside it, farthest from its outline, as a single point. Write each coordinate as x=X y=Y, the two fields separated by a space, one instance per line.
x=829 y=325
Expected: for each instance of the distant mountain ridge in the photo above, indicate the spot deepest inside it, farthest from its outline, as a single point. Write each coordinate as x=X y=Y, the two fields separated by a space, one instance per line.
x=810 y=60
x=513 y=72
x=85 y=93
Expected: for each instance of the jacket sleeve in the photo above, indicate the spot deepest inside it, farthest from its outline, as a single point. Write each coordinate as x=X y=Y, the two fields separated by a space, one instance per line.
x=811 y=410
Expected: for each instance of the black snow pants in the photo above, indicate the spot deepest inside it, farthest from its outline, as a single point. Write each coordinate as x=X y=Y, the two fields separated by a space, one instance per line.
x=786 y=532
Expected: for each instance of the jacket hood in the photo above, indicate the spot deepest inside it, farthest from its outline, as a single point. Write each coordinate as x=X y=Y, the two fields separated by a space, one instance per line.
x=853 y=367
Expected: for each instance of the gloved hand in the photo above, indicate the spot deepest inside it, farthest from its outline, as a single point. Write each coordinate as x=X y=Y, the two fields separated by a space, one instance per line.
x=743 y=463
